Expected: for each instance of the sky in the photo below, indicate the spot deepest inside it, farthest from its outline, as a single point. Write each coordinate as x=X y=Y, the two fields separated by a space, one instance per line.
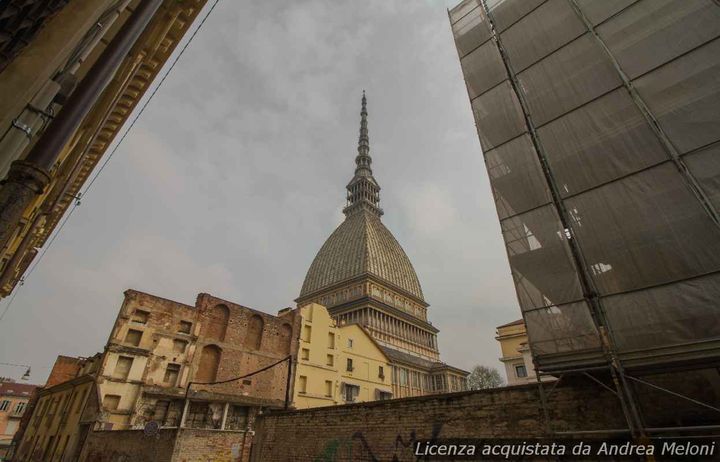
x=234 y=176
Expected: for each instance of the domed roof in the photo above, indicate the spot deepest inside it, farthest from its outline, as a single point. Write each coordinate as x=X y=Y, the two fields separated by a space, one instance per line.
x=361 y=245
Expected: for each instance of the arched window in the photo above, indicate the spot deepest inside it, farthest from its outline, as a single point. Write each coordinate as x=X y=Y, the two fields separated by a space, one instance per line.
x=209 y=362
x=285 y=338
x=253 y=339
x=217 y=322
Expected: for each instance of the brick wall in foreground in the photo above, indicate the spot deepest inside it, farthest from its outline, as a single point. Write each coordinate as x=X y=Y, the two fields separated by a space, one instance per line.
x=385 y=430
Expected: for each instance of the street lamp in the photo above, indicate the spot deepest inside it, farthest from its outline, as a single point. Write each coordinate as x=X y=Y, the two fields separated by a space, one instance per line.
x=26 y=375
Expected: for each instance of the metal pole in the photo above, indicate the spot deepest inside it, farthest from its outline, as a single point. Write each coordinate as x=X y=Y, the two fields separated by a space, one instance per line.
x=29 y=177
x=287 y=384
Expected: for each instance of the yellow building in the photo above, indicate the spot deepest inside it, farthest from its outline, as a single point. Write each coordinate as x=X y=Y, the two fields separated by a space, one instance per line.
x=338 y=364
x=60 y=420
x=516 y=355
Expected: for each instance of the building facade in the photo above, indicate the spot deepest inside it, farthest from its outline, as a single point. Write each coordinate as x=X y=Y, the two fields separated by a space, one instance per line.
x=168 y=367
x=364 y=277
x=46 y=50
x=14 y=400
x=60 y=420
x=515 y=351
x=600 y=130
x=338 y=364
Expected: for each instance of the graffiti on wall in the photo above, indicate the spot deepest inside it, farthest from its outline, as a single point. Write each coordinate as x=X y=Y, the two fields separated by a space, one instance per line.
x=358 y=448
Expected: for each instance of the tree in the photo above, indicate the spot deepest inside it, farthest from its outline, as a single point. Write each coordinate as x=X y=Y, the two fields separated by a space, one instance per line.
x=483 y=377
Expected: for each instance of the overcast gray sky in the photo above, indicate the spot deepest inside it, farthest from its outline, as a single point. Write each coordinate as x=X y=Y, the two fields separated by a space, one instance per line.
x=234 y=176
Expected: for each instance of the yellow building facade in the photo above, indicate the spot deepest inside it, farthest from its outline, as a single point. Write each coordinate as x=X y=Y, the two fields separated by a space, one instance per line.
x=515 y=352
x=61 y=419
x=338 y=364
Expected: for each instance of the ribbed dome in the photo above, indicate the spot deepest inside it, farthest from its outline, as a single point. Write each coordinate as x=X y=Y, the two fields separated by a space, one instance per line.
x=360 y=245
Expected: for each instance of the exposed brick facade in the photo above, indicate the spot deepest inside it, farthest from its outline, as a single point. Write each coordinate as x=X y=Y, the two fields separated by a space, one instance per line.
x=65 y=368
x=385 y=430
x=129 y=445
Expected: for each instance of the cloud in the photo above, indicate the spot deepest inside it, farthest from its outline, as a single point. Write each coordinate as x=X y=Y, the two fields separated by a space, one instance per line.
x=234 y=176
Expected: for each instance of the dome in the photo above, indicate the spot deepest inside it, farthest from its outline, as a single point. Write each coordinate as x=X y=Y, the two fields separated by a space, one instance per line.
x=361 y=245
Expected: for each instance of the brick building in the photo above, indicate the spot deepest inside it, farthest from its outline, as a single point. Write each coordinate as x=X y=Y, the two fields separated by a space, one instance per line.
x=170 y=368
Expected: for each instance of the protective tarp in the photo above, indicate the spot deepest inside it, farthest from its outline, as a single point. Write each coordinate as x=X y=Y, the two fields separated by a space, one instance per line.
x=704 y=165
x=573 y=75
x=675 y=314
x=498 y=116
x=561 y=329
x=644 y=230
x=483 y=69
x=684 y=96
x=535 y=36
x=471 y=31
x=506 y=12
x=516 y=177
x=533 y=239
x=598 y=11
x=638 y=38
x=462 y=9
x=599 y=142
x=644 y=239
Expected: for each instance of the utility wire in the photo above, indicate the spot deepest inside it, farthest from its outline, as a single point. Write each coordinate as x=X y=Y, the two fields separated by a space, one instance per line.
x=107 y=159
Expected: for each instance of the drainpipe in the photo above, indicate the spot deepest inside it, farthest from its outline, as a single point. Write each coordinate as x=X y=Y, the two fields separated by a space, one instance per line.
x=29 y=177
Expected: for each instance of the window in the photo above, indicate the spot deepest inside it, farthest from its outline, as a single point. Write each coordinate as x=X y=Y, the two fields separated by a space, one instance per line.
x=237 y=418
x=133 y=337
x=140 y=317
x=403 y=376
x=80 y=403
x=204 y=415
x=331 y=341
x=172 y=371
x=122 y=367
x=185 y=327
x=328 y=388
x=179 y=346
x=330 y=360
x=351 y=392
x=381 y=372
x=302 y=384
x=350 y=343
x=111 y=402
x=521 y=371
x=160 y=411
x=383 y=395
x=306 y=333
x=4 y=405
x=305 y=354
x=19 y=408
x=349 y=364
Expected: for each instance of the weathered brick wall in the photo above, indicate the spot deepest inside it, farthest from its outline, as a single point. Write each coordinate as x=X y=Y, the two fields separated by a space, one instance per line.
x=128 y=445
x=385 y=430
x=277 y=339
x=211 y=445
x=65 y=368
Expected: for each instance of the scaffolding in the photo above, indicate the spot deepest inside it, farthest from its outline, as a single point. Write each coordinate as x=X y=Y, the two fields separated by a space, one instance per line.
x=600 y=130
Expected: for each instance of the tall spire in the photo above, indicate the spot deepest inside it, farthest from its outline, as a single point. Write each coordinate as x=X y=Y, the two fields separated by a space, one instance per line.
x=363 y=191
